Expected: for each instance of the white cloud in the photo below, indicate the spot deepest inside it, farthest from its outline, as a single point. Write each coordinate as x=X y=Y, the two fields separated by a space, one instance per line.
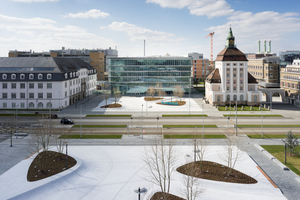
x=89 y=14
x=30 y=1
x=139 y=34
x=44 y=34
x=210 y=8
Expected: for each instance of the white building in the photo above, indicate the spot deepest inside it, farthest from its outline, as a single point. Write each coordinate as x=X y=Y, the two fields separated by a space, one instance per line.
x=44 y=82
x=230 y=81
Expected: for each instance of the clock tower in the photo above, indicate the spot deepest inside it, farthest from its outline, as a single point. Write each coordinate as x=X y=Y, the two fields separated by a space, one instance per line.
x=230 y=39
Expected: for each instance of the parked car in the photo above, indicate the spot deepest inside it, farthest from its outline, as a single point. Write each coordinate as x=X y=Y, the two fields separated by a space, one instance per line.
x=66 y=121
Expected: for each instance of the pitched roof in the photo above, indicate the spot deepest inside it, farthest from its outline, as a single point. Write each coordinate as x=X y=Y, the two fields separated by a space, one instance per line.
x=231 y=54
x=251 y=79
x=214 y=77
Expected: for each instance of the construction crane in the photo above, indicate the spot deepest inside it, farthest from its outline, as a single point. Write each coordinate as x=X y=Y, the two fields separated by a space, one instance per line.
x=211 y=43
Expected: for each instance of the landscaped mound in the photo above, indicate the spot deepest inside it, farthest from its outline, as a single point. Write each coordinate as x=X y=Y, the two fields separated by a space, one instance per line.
x=171 y=103
x=112 y=106
x=216 y=172
x=47 y=164
x=152 y=98
x=158 y=196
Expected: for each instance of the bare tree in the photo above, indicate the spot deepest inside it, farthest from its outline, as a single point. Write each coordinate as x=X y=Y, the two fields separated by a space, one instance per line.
x=158 y=88
x=117 y=94
x=201 y=145
x=160 y=159
x=162 y=94
x=232 y=152
x=106 y=97
x=151 y=91
x=192 y=188
x=178 y=91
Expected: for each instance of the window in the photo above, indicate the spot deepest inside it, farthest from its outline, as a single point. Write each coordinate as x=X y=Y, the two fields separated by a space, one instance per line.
x=40 y=95
x=31 y=85
x=22 y=95
x=227 y=88
x=234 y=81
x=218 y=98
x=234 y=88
x=234 y=74
x=31 y=105
x=4 y=105
x=66 y=75
x=271 y=74
x=70 y=92
x=49 y=95
x=228 y=97
x=289 y=85
x=250 y=88
x=66 y=84
x=13 y=86
x=22 y=85
x=241 y=88
x=4 y=76
x=49 y=85
x=22 y=105
x=4 y=85
x=70 y=83
x=4 y=95
x=13 y=105
x=40 y=85
x=13 y=95
x=66 y=94
x=227 y=64
x=241 y=74
x=40 y=105
x=49 y=76
x=293 y=85
x=227 y=74
x=49 y=105
x=13 y=76
x=234 y=69
x=31 y=95
x=22 y=76
x=234 y=64
x=234 y=97
x=40 y=76
x=255 y=98
x=241 y=81
x=241 y=64
x=31 y=76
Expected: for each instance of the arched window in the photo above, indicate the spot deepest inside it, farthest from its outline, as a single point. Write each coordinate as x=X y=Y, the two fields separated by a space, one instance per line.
x=228 y=97
x=4 y=76
x=31 y=105
x=255 y=98
x=49 y=105
x=40 y=105
x=49 y=76
x=13 y=76
x=241 y=98
x=234 y=97
x=218 y=98
x=31 y=76
x=40 y=76
x=22 y=76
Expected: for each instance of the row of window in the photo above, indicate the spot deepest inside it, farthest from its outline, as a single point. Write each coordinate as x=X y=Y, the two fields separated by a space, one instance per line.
x=30 y=85
x=234 y=75
x=30 y=105
x=234 y=88
x=260 y=67
x=22 y=76
x=234 y=64
x=296 y=78
x=235 y=98
x=234 y=81
x=291 y=85
x=13 y=95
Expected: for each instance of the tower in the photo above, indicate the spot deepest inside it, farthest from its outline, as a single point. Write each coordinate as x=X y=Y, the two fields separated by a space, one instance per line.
x=230 y=39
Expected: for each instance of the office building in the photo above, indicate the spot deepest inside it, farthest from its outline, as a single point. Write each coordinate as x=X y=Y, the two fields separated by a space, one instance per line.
x=201 y=67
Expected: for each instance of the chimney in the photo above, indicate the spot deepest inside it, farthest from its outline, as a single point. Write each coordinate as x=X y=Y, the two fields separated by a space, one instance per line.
x=270 y=46
x=144 y=47
x=265 y=46
x=258 y=46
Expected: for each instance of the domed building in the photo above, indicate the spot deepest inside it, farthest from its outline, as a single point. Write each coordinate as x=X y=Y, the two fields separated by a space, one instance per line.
x=230 y=82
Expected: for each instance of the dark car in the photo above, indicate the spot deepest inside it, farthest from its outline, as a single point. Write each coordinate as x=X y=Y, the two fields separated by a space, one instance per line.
x=66 y=121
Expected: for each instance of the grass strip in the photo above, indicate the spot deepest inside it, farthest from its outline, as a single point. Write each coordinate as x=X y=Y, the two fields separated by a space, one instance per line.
x=193 y=136
x=91 y=137
x=253 y=115
x=189 y=126
x=269 y=136
x=184 y=115
x=23 y=115
x=100 y=126
x=239 y=108
x=278 y=152
x=267 y=126
x=108 y=116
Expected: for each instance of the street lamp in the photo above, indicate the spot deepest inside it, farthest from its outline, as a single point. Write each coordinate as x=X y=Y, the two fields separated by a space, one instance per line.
x=80 y=121
x=142 y=120
x=262 y=124
x=131 y=121
x=195 y=148
x=203 y=121
x=157 y=126
x=189 y=99
x=59 y=101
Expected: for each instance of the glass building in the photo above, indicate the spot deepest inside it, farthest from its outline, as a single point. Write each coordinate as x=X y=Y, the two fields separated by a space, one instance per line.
x=134 y=75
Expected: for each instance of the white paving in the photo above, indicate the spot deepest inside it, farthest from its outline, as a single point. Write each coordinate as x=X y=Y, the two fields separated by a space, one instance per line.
x=135 y=104
x=114 y=172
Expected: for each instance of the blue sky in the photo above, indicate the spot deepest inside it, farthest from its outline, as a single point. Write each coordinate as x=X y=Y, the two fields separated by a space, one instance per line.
x=177 y=27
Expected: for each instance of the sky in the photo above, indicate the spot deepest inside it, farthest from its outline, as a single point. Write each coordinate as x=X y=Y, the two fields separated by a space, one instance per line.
x=174 y=27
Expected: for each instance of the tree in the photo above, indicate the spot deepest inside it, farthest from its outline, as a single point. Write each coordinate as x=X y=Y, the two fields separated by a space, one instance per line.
x=178 y=91
x=232 y=152
x=201 y=145
x=291 y=142
x=158 y=88
x=161 y=93
x=192 y=188
x=106 y=97
x=151 y=91
x=160 y=160
x=117 y=94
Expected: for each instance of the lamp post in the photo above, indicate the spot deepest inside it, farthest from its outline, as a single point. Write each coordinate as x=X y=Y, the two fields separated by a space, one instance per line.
x=157 y=126
x=80 y=121
x=262 y=124
x=203 y=121
x=59 y=101
x=50 y=116
x=189 y=99
x=228 y=122
x=142 y=120
x=236 y=117
x=195 y=148
x=131 y=120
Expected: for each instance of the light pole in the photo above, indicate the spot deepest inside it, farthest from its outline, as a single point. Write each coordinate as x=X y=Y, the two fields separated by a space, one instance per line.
x=157 y=126
x=131 y=120
x=59 y=101
x=262 y=124
x=203 y=121
x=236 y=117
x=228 y=122
x=142 y=120
x=80 y=121
x=50 y=116
x=189 y=99
x=195 y=148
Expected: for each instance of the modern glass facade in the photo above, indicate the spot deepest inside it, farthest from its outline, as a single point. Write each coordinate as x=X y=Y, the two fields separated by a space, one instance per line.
x=137 y=74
